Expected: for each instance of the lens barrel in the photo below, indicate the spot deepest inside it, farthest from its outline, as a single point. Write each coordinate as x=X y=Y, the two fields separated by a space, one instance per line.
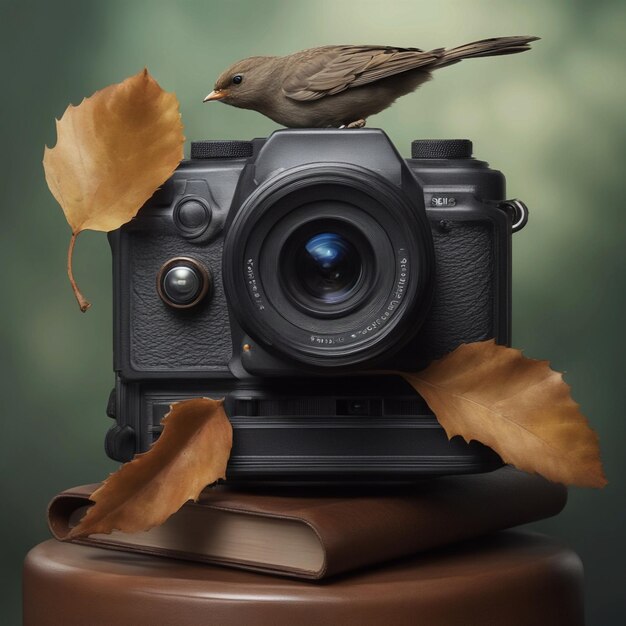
x=329 y=265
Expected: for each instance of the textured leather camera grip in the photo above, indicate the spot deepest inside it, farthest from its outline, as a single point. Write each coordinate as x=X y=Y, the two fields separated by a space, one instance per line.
x=164 y=338
x=465 y=289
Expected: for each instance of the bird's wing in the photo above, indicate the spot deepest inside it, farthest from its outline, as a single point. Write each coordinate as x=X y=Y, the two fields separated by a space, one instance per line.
x=332 y=69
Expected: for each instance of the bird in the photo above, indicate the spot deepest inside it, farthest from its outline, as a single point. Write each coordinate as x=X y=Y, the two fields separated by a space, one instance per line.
x=341 y=86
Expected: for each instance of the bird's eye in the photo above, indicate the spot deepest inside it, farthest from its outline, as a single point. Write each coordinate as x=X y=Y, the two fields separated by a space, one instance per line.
x=237 y=78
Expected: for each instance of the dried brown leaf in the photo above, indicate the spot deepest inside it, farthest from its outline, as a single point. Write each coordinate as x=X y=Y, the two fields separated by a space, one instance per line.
x=113 y=151
x=191 y=453
x=520 y=407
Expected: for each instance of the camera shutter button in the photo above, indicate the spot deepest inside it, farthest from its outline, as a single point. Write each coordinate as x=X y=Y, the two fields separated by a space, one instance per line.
x=192 y=216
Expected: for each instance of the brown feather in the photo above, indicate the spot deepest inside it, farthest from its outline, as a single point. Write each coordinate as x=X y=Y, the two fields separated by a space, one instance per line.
x=333 y=69
x=486 y=48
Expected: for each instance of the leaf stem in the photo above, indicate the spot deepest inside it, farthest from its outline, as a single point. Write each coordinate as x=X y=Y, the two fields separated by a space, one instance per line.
x=83 y=303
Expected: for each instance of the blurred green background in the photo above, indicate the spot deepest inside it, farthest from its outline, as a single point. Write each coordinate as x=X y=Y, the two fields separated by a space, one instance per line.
x=551 y=119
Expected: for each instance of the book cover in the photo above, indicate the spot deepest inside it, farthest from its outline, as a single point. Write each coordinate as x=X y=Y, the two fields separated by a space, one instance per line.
x=317 y=533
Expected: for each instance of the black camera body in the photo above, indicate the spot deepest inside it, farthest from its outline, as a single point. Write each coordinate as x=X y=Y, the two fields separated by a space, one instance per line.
x=287 y=274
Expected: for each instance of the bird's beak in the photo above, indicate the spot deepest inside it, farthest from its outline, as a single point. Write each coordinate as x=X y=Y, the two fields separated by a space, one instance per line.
x=216 y=94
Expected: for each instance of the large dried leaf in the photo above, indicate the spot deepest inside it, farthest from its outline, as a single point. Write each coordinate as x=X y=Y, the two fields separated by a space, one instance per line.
x=518 y=406
x=191 y=453
x=113 y=151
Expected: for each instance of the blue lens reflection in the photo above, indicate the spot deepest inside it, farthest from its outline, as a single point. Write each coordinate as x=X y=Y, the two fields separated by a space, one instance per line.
x=329 y=267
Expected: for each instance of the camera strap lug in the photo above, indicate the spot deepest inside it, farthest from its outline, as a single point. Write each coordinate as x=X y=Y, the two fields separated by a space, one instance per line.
x=518 y=212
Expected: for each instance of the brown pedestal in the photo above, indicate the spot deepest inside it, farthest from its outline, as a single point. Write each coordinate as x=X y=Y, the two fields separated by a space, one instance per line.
x=511 y=579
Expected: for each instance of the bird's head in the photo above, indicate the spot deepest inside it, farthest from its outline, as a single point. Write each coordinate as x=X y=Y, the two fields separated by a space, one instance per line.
x=243 y=83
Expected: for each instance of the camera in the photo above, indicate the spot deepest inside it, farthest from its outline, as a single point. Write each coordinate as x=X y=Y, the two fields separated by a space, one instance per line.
x=292 y=275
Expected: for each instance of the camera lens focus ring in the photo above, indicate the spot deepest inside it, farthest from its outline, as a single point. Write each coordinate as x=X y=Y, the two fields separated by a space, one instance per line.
x=182 y=282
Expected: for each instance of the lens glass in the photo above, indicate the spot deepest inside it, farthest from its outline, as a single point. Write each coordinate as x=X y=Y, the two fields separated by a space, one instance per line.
x=328 y=267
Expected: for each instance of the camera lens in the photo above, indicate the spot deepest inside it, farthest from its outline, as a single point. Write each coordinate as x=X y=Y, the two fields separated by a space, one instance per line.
x=182 y=282
x=328 y=267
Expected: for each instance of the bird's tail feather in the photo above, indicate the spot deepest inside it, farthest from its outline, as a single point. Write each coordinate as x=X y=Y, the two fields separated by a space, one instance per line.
x=486 y=48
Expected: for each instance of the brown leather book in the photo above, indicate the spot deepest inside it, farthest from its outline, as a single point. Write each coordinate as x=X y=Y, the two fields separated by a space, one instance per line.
x=319 y=533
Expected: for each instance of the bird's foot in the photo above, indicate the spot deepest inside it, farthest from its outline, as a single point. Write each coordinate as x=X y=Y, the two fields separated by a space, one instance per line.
x=355 y=124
